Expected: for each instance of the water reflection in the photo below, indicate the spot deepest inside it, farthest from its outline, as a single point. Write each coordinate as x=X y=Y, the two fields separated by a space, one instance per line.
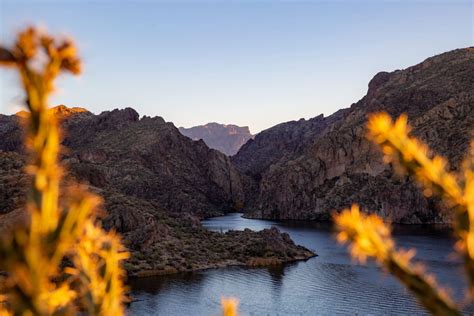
x=326 y=285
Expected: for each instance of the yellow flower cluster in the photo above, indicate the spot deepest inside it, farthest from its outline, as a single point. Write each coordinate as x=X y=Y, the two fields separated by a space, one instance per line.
x=62 y=262
x=370 y=237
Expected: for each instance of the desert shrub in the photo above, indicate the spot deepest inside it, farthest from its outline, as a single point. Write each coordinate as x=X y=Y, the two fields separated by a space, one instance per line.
x=139 y=255
x=370 y=237
x=59 y=230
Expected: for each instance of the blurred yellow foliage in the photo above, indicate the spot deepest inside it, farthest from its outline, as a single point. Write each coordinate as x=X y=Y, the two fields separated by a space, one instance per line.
x=62 y=262
x=370 y=237
x=229 y=306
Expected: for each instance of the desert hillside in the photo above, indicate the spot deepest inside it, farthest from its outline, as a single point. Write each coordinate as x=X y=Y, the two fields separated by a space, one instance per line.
x=306 y=169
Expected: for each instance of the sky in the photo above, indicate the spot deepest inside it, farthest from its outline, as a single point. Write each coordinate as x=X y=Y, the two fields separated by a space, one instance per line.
x=250 y=63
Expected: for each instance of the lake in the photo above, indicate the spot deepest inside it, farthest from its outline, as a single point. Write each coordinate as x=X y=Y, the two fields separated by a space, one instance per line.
x=328 y=284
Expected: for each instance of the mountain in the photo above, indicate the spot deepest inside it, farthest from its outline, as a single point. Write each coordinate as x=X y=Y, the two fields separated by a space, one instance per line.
x=156 y=185
x=146 y=158
x=306 y=169
x=224 y=138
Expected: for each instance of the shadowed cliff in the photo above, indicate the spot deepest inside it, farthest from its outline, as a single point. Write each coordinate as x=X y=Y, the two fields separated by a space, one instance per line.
x=306 y=169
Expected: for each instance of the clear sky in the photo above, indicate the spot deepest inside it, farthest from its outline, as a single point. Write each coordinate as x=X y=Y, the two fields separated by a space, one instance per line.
x=255 y=63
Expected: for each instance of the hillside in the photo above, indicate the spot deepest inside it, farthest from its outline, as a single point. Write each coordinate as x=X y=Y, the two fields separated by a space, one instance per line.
x=306 y=169
x=156 y=185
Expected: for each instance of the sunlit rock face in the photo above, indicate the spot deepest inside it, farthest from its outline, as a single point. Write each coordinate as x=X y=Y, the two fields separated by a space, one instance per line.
x=306 y=169
x=145 y=158
x=225 y=138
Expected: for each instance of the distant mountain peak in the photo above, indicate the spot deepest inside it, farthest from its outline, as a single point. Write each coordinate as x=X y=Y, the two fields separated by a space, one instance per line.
x=226 y=138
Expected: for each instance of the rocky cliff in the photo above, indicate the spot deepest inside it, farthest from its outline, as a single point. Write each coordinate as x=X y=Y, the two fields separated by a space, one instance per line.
x=306 y=169
x=225 y=138
x=145 y=158
x=156 y=184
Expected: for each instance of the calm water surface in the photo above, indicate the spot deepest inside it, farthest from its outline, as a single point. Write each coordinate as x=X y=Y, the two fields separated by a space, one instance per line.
x=325 y=285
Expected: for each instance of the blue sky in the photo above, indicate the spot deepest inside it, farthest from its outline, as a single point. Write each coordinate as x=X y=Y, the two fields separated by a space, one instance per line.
x=255 y=63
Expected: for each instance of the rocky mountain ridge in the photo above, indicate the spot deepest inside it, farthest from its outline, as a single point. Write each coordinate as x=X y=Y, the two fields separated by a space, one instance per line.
x=226 y=138
x=156 y=185
x=325 y=164
x=141 y=157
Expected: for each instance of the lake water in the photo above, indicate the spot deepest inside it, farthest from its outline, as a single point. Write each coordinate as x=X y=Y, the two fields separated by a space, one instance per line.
x=325 y=285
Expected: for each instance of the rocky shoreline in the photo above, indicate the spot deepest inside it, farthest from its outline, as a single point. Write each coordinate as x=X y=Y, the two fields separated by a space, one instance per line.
x=194 y=248
x=198 y=249
x=223 y=265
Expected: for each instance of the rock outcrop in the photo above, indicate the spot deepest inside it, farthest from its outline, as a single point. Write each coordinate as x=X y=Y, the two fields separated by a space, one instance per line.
x=190 y=248
x=306 y=169
x=225 y=138
x=156 y=185
x=145 y=158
